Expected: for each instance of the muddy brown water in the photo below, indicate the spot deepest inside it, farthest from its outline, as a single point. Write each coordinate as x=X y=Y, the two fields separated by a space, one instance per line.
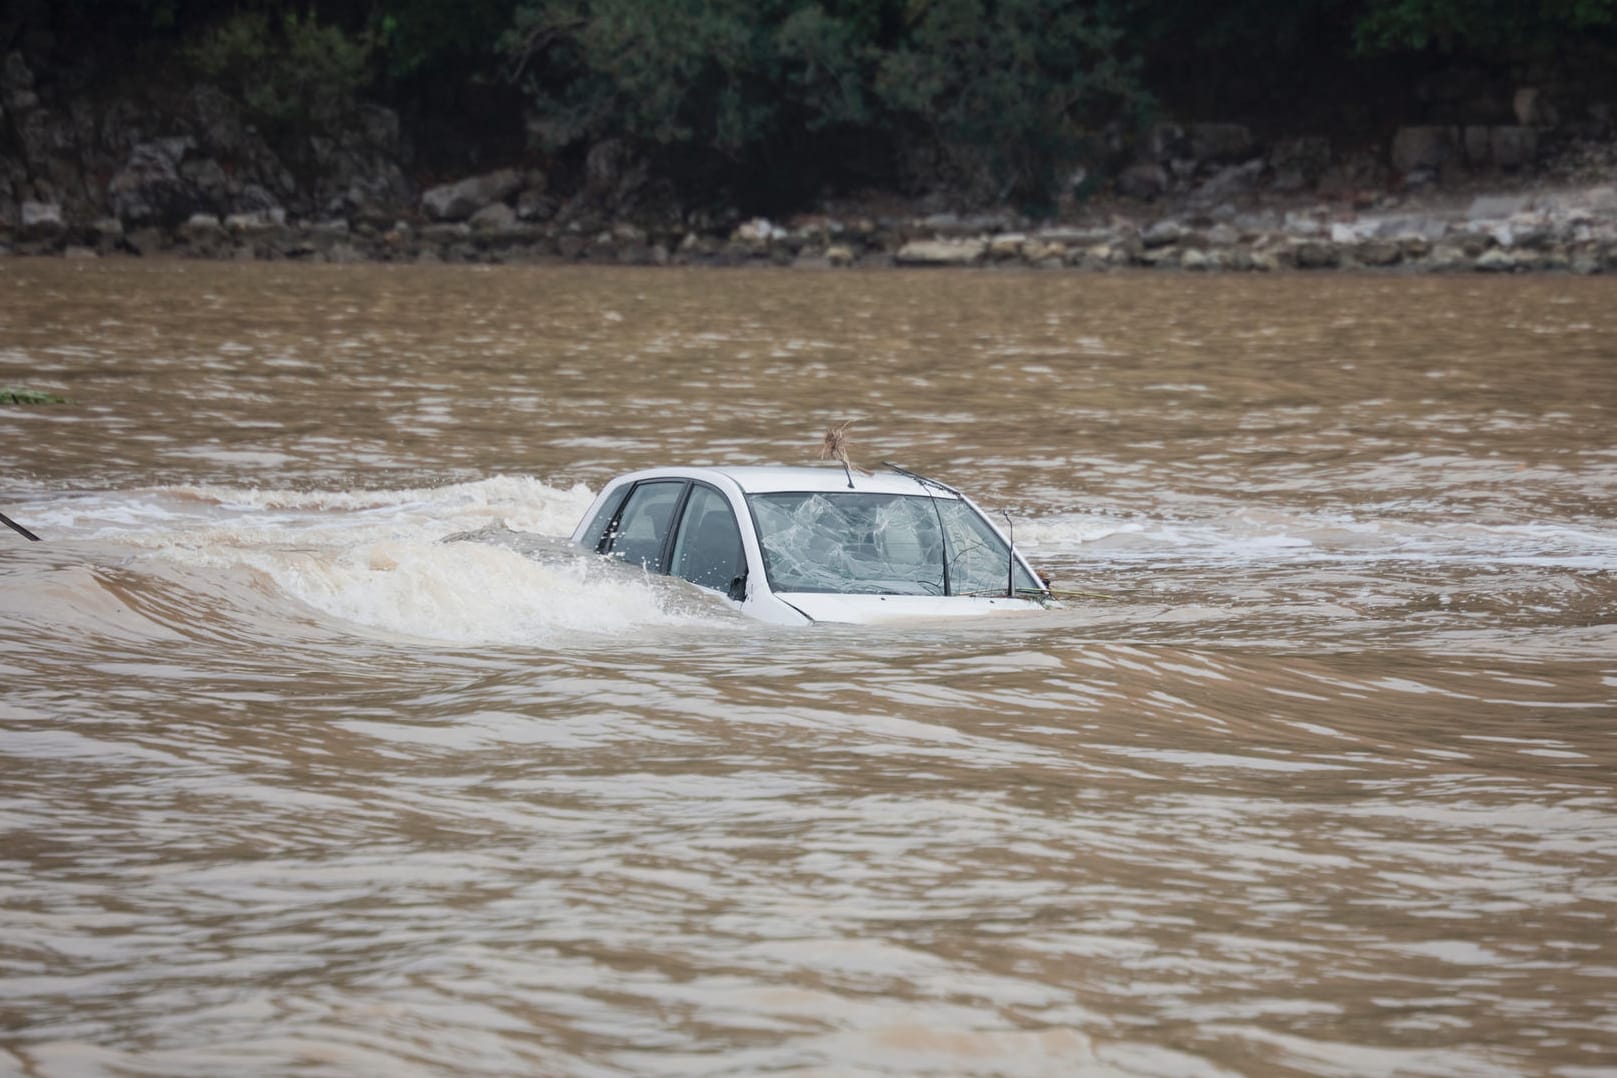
x=1314 y=777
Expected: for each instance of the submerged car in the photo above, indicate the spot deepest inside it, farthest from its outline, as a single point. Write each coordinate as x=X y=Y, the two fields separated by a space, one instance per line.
x=793 y=545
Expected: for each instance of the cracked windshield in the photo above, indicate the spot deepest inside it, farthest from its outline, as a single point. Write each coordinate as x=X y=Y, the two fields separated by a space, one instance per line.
x=880 y=543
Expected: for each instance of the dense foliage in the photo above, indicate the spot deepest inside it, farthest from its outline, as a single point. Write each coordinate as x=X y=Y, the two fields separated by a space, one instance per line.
x=773 y=101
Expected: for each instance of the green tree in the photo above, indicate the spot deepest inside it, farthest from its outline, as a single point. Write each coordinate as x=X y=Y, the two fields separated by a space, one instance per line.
x=1492 y=26
x=1011 y=90
x=290 y=71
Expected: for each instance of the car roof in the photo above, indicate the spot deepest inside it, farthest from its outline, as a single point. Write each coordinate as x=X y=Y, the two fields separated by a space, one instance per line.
x=771 y=479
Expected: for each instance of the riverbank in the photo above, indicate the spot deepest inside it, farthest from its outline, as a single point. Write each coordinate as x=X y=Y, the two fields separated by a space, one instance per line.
x=191 y=176
x=1565 y=229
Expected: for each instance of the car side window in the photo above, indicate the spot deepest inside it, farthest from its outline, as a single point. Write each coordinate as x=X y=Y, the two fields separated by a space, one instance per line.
x=707 y=550
x=594 y=536
x=642 y=529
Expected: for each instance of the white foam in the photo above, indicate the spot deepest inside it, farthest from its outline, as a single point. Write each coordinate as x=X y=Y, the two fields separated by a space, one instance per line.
x=376 y=559
x=467 y=592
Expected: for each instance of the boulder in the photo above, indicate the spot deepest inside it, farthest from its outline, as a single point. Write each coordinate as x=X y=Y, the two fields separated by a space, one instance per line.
x=1145 y=181
x=1512 y=147
x=1532 y=108
x=202 y=228
x=1006 y=246
x=17 y=84
x=460 y=200
x=1316 y=255
x=1474 y=143
x=1073 y=237
x=1379 y=253
x=534 y=204
x=941 y=252
x=1219 y=142
x=1426 y=147
x=1496 y=207
x=1041 y=253
x=150 y=190
x=40 y=221
x=1299 y=163
x=1162 y=233
x=1496 y=260
x=493 y=218
x=1229 y=182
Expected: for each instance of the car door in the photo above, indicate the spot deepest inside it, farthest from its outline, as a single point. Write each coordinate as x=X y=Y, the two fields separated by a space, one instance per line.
x=640 y=533
x=707 y=546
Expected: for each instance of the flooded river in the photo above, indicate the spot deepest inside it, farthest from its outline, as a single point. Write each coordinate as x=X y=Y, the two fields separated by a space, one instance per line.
x=1314 y=772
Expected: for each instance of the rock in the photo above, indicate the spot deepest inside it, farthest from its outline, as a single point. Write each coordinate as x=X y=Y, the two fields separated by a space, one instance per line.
x=40 y=221
x=1229 y=182
x=840 y=254
x=1304 y=223
x=1145 y=181
x=1194 y=259
x=107 y=229
x=1448 y=257
x=344 y=252
x=446 y=232
x=149 y=189
x=202 y=226
x=1474 y=141
x=495 y=217
x=1379 y=253
x=1299 y=163
x=146 y=241
x=1040 y=253
x=1162 y=233
x=1354 y=178
x=73 y=250
x=1006 y=246
x=941 y=252
x=758 y=232
x=1219 y=142
x=1313 y=254
x=1426 y=147
x=459 y=201
x=1496 y=260
x=1532 y=108
x=1071 y=237
x=1496 y=207
x=254 y=198
x=256 y=222
x=533 y=204
x=1265 y=261
x=1513 y=147
x=17 y=84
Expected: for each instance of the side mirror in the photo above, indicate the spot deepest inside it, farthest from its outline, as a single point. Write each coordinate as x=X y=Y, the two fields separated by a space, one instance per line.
x=738 y=588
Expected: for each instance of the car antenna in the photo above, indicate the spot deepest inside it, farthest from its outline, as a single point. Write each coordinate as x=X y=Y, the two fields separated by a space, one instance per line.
x=19 y=529
x=835 y=447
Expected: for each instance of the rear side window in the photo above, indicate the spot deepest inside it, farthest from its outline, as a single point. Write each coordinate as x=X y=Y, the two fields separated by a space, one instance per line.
x=707 y=550
x=642 y=531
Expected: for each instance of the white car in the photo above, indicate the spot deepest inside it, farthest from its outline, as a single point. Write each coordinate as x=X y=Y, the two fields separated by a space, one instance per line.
x=793 y=545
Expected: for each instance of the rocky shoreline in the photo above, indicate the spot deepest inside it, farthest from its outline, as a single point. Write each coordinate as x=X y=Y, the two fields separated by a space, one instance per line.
x=1567 y=231
x=190 y=177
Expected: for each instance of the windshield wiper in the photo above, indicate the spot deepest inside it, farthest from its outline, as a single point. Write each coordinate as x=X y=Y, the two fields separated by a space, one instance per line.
x=943 y=534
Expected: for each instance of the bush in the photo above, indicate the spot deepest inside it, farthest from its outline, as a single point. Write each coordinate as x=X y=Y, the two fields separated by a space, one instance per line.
x=1004 y=93
x=289 y=73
